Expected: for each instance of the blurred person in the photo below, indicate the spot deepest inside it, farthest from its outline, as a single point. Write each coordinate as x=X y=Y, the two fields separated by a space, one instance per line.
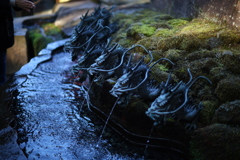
x=6 y=28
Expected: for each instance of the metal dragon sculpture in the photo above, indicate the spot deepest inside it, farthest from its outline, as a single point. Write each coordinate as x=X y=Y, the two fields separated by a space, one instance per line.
x=92 y=30
x=90 y=43
x=174 y=102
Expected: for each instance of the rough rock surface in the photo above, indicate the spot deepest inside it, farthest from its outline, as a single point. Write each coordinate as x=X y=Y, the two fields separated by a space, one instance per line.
x=217 y=141
x=222 y=11
x=228 y=113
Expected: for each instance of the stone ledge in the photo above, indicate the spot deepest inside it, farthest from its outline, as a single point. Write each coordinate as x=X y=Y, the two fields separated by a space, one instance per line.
x=44 y=55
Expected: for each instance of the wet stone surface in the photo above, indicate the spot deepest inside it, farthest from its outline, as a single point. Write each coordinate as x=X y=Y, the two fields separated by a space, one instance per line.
x=53 y=124
x=49 y=124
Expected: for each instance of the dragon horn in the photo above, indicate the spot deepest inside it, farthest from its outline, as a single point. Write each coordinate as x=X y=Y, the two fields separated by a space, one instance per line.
x=176 y=87
x=151 y=56
x=86 y=14
x=113 y=48
x=190 y=75
x=129 y=60
x=90 y=50
x=138 y=64
x=88 y=41
x=108 y=42
x=168 y=80
x=197 y=79
x=122 y=60
x=160 y=60
x=150 y=53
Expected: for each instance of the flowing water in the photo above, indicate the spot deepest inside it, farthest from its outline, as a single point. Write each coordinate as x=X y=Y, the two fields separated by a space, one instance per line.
x=106 y=122
x=49 y=123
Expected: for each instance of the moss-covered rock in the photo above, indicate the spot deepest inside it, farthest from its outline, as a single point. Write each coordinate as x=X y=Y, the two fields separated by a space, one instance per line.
x=139 y=31
x=231 y=62
x=217 y=141
x=175 y=55
x=135 y=115
x=53 y=31
x=164 y=32
x=38 y=40
x=174 y=23
x=186 y=42
x=207 y=49
x=228 y=113
x=199 y=54
x=207 y=112
x=228 y=89
x=40 y=37
x=217 y=74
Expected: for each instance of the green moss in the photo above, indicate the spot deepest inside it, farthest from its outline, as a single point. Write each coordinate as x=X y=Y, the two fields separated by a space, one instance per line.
x=38 y=40
x=186 y=42
x=201 y=29
x=51 y=30
x=173 y=54
x=195 y=153
x=140 y=29
x=201 y=26
x=177 y=22
x=207 y=112
x=148 y=21
x=161 y=17
x=231 y=62
x=125 y=23
x=163 y=68
x=135 y=114
x=228 y=89
x=228 y=113
x=147 y=12
x=40 y=37
x=158 y=74
x=164 y=33
x=217 y=74
x=230 y=38
x=150 y=43
x=217 y=141
x=203 y=53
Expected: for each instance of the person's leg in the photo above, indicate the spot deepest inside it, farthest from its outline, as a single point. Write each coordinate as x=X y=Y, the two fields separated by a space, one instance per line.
x=2 y=66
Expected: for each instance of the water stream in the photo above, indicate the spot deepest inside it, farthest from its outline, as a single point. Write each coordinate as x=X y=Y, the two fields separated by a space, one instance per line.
x=54 y=121
x=49 y=123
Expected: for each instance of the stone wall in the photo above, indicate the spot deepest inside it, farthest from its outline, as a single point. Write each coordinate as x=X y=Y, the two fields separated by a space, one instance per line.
x=176 y=8
x=222 y=11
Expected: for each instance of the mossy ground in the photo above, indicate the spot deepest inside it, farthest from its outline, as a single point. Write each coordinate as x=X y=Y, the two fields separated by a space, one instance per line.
x=41 y=36
x=206 y=48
